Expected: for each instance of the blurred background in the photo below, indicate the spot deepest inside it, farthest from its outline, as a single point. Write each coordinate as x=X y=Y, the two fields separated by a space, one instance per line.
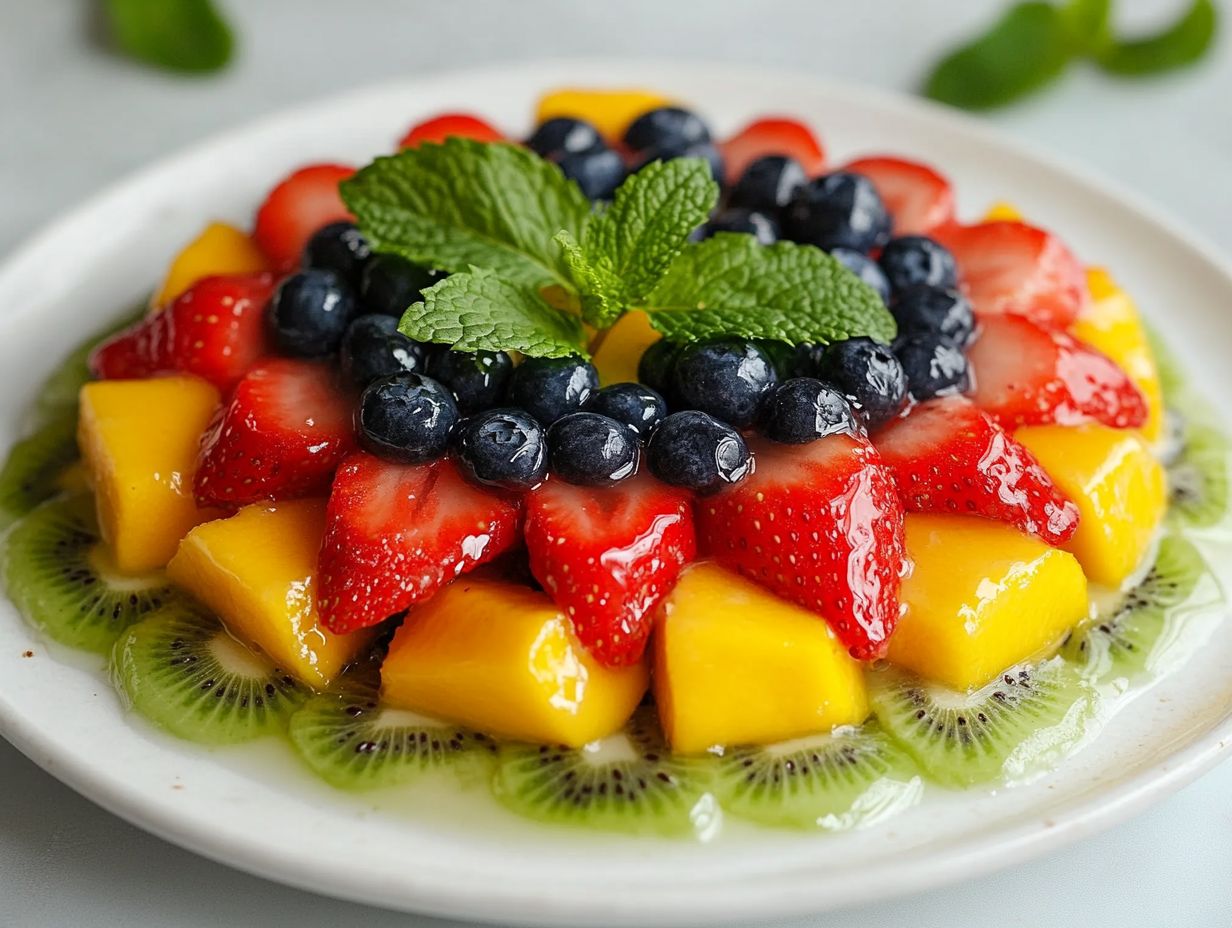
x=76 y=115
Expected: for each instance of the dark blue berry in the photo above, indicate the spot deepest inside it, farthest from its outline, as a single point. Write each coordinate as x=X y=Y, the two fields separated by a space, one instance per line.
x=654 y=368
x=726 y=378
x=668 y=126
x=839 y=210
x=804 y=409
x=592 y=450
x=946 y=313
x=390 y=284
x=768 y=184
x=865 y=268
x=549 y=388
x=373 y=347
x=502 y=448
x=406 y=418
x=934 y=366
x=706 y=150
x=918 y=261
x=339 y=247
x=563 y=135
x=695 y=450
x=598 y=171
x=868 y=374
x=784 y=357
x=309 y=313
x=478 y=379
x=636 y=405
x=750 y=222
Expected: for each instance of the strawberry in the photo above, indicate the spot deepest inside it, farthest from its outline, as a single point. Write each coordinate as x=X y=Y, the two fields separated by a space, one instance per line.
x=297 y=207
x=397 y=533
x=287 y=426
x=820 y=525
x=1011 y=267
x=947 y=455
x=215 y=329
x=773 y=136
x=1028 y=375
x=919 y=199
x=607 y=556
x=450 y=125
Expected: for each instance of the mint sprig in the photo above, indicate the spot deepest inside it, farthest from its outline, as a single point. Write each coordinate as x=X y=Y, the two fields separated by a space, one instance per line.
x=1176 y=46
x=189 y=36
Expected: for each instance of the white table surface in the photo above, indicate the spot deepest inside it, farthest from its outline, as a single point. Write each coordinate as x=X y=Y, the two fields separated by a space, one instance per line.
x=73 y=119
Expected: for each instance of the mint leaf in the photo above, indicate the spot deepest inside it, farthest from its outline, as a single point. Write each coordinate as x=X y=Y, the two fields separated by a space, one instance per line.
x=178 y=35
x=730 y=285
x=479 y=310
x=1181 y=44
x=1087 y=21
x=467 y=204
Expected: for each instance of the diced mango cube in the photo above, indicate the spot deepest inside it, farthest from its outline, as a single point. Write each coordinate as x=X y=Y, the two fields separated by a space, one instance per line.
x=503 y=659
x=609 y=111
x=219 y=249
x=735 y=665
x=981 y=597
x=622 y=347
x=1002 y=211
x=139 y=439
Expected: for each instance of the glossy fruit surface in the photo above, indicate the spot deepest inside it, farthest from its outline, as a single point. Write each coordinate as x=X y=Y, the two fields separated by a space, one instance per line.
x=727 y=378
x=478 y=379
x=767 y=183
x=219 y=250
x=804 y=409
x=373 y=347
x=502 y=448
x=590 y=449
x=774 y=136
x=868 y=373
x=563 y=135
x=339 y=247
x=297 y=207
x=450 y=126
x=309 y=313
x=838 y=210
x=609 y=111
x=391 y=284
x=406 y=417
x=635 y=405
x=927 y=310
x=549 y=388
x=696 y=451
x=918 y=198
x=917 y=261
x=933 y=364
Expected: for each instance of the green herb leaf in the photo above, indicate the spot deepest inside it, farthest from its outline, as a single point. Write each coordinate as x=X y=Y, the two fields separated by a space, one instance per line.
x=730 y=285
x=179 y=35
x=1027 y=48
x=466 y=203
x=479 y=310
x=1181 y=44
x=1088 y=22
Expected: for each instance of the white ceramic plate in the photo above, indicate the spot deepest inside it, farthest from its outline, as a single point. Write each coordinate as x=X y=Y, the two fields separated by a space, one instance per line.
x=256 y=810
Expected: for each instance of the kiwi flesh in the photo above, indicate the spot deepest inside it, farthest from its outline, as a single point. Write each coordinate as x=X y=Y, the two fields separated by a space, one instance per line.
x=850 y=777
x=628 y=782
x=36 y=467
x=58 y=393
x=1019 y=725
x=183 y=671
x=1198 y=477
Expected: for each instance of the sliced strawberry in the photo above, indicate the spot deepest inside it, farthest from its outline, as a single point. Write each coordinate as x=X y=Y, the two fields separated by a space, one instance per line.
x=215 y=329
x=300 y=205
x=396 y=533
x=1029 y=375
x=450 y=125
x=773 y=136
x=820 y=525
x=1011 y=267
x=287 y=427
x=607 y=556
x=919 y=199
x=949 y=456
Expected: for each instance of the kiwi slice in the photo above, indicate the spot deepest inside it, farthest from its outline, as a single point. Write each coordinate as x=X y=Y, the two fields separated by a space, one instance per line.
x=62 y=579
x=36 y=467
x=183 y=670
x=1198 y=477
x=1018 y=725
x=58 y=393
x=627 y=782
x=850 y=777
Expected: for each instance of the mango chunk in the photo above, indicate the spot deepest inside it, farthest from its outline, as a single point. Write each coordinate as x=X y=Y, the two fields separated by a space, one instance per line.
x=219 y=249
x=734 y=664
x=257 y=571
x=982 y=596
x=1002 y=211
x=139 y=441
x=503 y=659
x=1119 y=488
x=609 y=111
x=622 y=346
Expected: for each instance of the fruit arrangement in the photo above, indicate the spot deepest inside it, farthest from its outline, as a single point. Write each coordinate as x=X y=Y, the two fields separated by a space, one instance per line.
x=643 y=474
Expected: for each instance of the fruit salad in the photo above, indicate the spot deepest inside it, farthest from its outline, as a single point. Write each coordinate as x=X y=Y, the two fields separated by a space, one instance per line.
x=643 y=475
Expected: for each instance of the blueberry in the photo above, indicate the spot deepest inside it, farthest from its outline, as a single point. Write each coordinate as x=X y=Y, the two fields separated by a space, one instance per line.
x=768 y=184
x=654 y=368
x=390 y=284
x=309 y=313
x=839 y=210
x=636 y=405
x=563 y=135
x=478 y=379
x=803 y=409
x=373 y=347
x=726 y=378
x=784 y=357
x=339 y=247
x=549 y=388
x=668 y=126
x=598 y=171
x=695 y=450
x=865 y=268
x=751 y=222
x=592 y=450
x=502 y=448
x=406 y=417
x=933 y=365
x=947 y=313
x=707 y=150
x=868 y=374
x=918 y=261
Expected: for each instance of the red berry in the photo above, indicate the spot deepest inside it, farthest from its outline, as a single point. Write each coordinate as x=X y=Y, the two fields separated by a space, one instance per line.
x=820 y=525
x=397 y=533
x=608 y=555
x=773 y=136
x=948 y=456
x=215 y=329
x=300 y=205
x=1028 y=375
x=450 y=125
x=919 y=199
x=287 y=427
